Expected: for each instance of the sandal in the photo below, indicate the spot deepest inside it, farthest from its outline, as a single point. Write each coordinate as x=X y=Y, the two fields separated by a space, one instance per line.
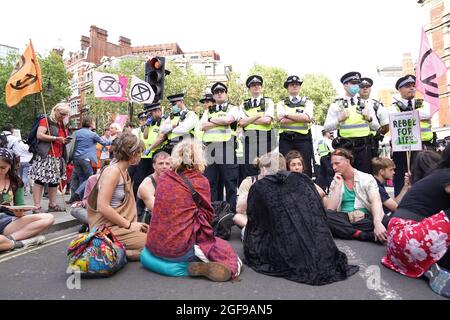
x=37 y=210
x=55 y=208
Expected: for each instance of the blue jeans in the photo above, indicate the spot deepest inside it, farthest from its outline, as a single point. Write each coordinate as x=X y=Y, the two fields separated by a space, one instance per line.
x=23 y=173
x=82 y=170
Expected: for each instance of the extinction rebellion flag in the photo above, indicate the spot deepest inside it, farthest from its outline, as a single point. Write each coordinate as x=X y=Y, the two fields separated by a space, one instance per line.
x=25 y=79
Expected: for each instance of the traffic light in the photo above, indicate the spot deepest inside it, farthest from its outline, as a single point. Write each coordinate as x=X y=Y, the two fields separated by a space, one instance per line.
x=154 y=75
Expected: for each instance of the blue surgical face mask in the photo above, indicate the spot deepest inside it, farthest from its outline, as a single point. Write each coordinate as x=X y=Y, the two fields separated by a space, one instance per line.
x=175 y=109
x=353 y=89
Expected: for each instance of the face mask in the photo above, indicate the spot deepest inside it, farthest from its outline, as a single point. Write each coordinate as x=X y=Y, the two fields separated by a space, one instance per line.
x=353 y=89
x=175 y=109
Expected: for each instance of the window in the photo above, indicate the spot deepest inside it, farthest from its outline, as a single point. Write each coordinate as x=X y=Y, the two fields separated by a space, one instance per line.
x=209 y=70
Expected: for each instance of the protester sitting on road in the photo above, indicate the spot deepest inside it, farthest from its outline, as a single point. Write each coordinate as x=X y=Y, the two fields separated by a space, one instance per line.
x=180 y=230
x=84 y=152
x=147 y=189
x=286 y=233
x=16 y=229
x=295 y=163
x=424 y=163
x=112 y=202
x=48 y=165
x=265 y=165
x=419 y=232
x=354 y=205
x=79 y=208
x=384 y=169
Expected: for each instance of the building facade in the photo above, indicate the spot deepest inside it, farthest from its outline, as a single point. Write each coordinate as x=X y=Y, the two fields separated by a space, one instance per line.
x=7 y=50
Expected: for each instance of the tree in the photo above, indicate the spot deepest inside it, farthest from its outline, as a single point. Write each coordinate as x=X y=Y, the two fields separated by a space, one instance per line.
x=236 y=89
x=273 y=78
x=23 y=115
x=320 y=90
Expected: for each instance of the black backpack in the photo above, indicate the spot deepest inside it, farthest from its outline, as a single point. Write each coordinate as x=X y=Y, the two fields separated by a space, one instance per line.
x=4 y=140
x=223 y=217
x=32 y=140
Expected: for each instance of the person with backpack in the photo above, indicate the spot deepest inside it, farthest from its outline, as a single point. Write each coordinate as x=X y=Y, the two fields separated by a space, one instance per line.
x=48 y=165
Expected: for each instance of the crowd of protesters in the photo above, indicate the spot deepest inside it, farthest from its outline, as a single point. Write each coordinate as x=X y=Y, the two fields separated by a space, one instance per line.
x=288 y=209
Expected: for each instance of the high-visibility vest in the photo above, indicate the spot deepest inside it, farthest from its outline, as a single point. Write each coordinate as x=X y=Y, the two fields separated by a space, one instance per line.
x=322 y=148
x=295 y=108
x=355 y=126
x=153 y=133
x=218 y=133
x=375 y=105
x=177 y=119
x=425 y=125
x=251 y=111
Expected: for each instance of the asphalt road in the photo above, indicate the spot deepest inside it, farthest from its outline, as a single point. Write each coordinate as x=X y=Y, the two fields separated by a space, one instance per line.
x=40 y=273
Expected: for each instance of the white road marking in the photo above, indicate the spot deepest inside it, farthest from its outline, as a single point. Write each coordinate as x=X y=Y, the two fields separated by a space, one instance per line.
x=384 y=290
x=18 y=253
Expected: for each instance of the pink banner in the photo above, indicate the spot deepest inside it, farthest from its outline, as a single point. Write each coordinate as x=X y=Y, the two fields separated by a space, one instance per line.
x=121 y=119
x=123 y=84
x=429 y=68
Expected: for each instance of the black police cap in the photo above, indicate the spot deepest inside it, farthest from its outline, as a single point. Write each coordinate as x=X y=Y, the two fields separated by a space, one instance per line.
x=219 y=86
x=176 y=97
x=403 y=81
x=292 y=79
x=351 y=76
x=152 y=106
x=207 y=97
x=253 y=79
x=366 y=82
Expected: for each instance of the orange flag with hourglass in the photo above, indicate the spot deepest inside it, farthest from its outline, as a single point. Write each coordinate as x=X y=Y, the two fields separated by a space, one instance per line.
x=25 y=79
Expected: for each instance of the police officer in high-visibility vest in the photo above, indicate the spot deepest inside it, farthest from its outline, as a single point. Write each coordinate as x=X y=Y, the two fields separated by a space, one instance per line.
x=354 y=121
x=153 y=142
x=207 y=101
x=324 y=148
x=406 y=87
x=377 y=106
x=256 y=115
x=219 y=123
x=180 y=123
x=142 y=119
x=295 y=114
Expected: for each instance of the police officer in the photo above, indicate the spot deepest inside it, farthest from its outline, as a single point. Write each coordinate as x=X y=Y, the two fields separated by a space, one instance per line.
x=324 y=148
x=295 y=114
x=153 y=142
x=142 y=118
x=219 y=123
x=207 y=101
x=353 y=120
x=180 y=123
x=377 y=106
x=256 y=115
x=406 y=87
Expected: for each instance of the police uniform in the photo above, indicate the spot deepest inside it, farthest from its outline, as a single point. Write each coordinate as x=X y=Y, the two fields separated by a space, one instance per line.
x=378 y=109
x=185 y=121
x=148 y=136
x=257 y=137
x=353 y=133
x=428 y=137
x=221 y=149
x=142 y=115
x=297 y=135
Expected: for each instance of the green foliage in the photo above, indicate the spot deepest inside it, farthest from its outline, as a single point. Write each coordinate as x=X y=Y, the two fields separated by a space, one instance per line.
x=22 y=115
x=237 y=90
x=320 y=90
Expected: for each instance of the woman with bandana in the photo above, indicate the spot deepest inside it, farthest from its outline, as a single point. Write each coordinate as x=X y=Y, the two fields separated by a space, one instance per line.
x=16 y=229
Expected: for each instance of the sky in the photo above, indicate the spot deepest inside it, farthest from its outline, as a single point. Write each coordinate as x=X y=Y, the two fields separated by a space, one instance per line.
x=330 y=37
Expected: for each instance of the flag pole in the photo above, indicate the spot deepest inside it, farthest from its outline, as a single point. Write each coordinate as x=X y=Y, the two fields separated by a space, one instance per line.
x=51 y=146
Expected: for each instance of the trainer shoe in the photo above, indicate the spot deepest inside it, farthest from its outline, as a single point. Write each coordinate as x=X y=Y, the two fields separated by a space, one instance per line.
x=35 y=241
x=439 y=280
x=212 y=270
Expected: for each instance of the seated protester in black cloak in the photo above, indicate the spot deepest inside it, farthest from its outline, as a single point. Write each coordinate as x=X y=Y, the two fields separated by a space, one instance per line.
x=287 y=234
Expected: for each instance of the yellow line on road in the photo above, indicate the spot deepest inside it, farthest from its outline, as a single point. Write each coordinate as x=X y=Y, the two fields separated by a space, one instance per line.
x=15 y=254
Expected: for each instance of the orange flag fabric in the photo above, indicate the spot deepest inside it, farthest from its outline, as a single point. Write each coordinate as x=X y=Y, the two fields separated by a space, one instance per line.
x=25 y=79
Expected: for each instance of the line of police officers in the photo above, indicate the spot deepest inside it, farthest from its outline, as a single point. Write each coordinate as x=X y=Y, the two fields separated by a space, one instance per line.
x=227 y=130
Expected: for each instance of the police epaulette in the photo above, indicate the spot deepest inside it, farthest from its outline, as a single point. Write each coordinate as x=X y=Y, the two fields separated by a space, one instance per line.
x=339 y=99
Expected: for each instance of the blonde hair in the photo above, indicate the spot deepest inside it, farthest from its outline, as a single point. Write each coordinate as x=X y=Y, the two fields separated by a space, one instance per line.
x=188 y=154
x=272 y=162
x=62 y=106
x=116 y=126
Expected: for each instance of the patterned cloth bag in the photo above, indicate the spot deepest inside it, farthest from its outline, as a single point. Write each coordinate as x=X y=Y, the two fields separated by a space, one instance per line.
x=96 y=254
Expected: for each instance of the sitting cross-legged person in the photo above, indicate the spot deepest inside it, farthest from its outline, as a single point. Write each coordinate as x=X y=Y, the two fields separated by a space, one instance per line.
x=180 y=231
x=286 y=233
x=354 y=205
